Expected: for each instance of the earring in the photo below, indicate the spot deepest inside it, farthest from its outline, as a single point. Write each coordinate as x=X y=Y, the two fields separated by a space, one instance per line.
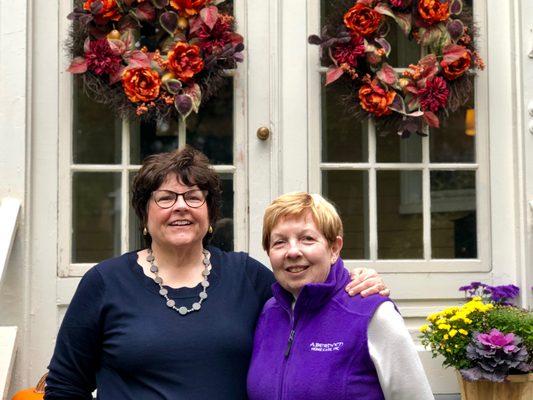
x=145 y=231
x=210 y=230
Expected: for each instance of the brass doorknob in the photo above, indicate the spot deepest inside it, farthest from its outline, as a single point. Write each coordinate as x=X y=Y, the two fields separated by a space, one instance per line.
x=263 y=133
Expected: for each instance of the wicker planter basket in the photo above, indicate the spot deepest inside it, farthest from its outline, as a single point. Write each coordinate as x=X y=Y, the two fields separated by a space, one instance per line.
x=516 y=387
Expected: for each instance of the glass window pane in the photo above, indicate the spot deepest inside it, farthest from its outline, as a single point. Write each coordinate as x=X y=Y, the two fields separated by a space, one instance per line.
x=96 y=207
x=211 y=130
x=149 y=138
x=348 y=190
x=392 y=148
x=403 y=51
x=344 y=139
x=454 y=141
x=223 y=236
x=453 y=214
x=93 y=124
x=400 y=225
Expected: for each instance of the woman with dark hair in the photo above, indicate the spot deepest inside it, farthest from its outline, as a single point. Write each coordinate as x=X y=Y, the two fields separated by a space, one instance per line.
x=174 y=320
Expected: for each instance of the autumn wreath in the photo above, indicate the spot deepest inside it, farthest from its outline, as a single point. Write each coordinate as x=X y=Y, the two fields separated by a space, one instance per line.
x=354 y=47
x=154 y=59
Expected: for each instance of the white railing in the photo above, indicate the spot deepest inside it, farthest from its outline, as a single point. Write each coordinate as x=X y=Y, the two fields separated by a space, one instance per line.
x=9 y=218
x=8 y=347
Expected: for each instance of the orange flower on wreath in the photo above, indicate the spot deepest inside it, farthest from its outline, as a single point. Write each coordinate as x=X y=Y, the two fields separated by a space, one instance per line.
x=109 y=11
x=434 y=11
x=188 y=7
x=141 y=84
x=455 y=62
x=362 y=19
x=376 y=100
x=184 y=61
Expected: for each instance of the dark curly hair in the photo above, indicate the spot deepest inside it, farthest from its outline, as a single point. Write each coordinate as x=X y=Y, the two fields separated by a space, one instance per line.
x=191 y=167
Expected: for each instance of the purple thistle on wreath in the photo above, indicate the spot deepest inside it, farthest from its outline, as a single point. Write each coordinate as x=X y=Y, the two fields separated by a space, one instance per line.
x=354 y=46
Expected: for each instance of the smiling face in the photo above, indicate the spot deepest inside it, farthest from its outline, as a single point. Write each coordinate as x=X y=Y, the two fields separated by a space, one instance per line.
x=179 y=225
x=299 y=253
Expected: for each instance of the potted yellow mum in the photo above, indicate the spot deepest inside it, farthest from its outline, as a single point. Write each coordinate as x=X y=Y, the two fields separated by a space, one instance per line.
x=488 y=340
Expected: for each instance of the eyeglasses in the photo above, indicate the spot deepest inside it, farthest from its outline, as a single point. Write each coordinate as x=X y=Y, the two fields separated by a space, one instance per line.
x=167 y=198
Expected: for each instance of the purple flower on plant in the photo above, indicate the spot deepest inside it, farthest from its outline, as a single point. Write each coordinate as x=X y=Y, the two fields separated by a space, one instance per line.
x=504 y=293
x=496 y=339
x=498 y=294
x=472 y=286
x=495 y=355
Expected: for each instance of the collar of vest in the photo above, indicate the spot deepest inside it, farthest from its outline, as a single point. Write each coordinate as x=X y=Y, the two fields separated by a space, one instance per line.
x=314 y=295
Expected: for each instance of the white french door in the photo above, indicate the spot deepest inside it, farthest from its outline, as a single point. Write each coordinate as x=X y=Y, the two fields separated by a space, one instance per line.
x=84 y=159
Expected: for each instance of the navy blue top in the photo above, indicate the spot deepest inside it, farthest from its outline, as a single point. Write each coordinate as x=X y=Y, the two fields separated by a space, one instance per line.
x=119 y=336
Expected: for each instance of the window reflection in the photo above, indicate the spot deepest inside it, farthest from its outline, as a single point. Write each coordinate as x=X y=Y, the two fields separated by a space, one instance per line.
x=453 y=214
x=399 y=215
x=96 y=208
x=211 y=130
x=344 y=138
x=348 y=191
x=453 y=141
x=93 y=124
x=223 y=230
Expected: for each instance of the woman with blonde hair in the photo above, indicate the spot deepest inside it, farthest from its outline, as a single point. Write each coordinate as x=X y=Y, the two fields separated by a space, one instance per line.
x=314 y=342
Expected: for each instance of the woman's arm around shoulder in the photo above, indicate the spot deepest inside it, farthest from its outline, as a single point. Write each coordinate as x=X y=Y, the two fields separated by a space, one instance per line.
x=72 y=370
x=400 y=371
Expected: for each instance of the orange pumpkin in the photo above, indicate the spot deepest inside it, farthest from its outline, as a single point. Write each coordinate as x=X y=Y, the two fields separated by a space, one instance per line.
x=34 y=393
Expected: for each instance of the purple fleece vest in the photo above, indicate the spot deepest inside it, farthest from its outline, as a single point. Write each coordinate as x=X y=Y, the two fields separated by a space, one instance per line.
x=320 y=350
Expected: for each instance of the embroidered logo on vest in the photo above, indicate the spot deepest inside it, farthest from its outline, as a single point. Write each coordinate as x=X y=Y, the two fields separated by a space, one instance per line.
x=316 y=346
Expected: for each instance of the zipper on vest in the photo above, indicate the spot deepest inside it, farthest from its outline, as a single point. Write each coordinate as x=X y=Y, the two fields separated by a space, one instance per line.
x=289 y=343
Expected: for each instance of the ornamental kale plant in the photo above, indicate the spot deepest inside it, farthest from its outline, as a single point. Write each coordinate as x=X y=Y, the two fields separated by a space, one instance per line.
x=495 y=355
x=486 y=338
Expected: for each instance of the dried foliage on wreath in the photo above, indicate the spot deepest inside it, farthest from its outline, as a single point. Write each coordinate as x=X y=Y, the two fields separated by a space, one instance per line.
x=354 y=46
x=153 y=59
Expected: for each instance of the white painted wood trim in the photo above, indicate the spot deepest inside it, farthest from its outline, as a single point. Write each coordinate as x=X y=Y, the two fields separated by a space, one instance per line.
x=524 y=114
x=9 y=219
x=262 y=99
x=421 y=265
x=125 y=188
x=484 y=180
x=239 y=169
x=294 y=87
x=397 y=166
x=372 y=193
x=47 y=68
x=314 y=101
x=8 y=350
x=64 y=143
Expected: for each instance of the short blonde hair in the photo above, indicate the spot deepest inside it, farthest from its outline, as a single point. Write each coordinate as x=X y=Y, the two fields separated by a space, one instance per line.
x=296 y=204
